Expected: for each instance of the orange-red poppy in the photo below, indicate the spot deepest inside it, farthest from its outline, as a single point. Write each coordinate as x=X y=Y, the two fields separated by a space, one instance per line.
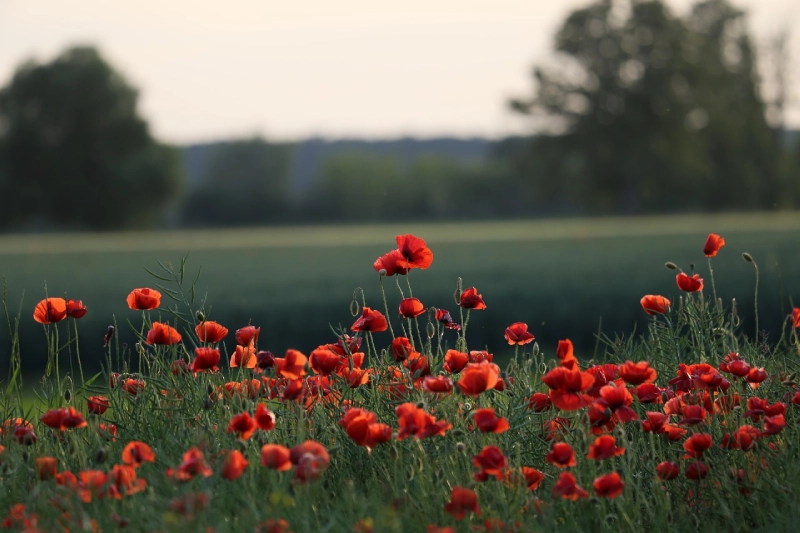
x=401 y=347
x=46 y=467
x=276 y=457
x=234 y=465
x=414 y=252
x=517 y=333
x=390 y=263
x=567 y=488
x=244 y=356
x=437 y=384
x=370 y=320
x=414 y=421
x=491 y=462
x=608 y=486
x=540 y=402
x=210 y=331
x=324 y=360
x=247 y=335
x=97 y=405
x=363 y=427
x=462 y=501
x=455 y=361
x=292 y=366
x=604 y=447
x=193 y=464
x=470 y=299
x=637 y=373
x=205 y=358
x=136 y=452
x=566 y=387
x=488 y=422
x=265 y=419
x=76 y=309
x=713 y=244
x=63 y=418
x=655 y=422
x=561 y=455
x=243 y=425
x=163 y=334
x=654 y=304
x=478 y=377
x=132 y=386
x=144 y=299
x=50 y=310
x=411 y=307
x=689 y=284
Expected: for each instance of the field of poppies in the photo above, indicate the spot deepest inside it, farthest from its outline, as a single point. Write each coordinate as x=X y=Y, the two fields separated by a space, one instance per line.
x=400 y=424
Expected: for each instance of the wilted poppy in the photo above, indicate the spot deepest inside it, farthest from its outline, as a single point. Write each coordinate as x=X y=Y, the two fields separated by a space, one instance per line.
x=517 y=333
x=144 y=299
x=654 y=304
x=50 y=310
x=135 y=453
x=97 y=405
x=713 y=244
x=411 y=307
x=462 y=501
x=415 y=253
x=234 y=465
x=163 y=334
x=689 y=284
x=608 y=486
x=488 y=422
x=443 y=316
x=276 y=457
x=370 y=320
x=470 y=299
x=567 y=487
x=604 y=447
x=561 y=455
x=75 y=309
x=210 y=331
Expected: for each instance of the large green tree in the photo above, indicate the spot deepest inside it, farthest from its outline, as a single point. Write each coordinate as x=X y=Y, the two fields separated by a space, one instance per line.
x=651 y=112
x=74 y=152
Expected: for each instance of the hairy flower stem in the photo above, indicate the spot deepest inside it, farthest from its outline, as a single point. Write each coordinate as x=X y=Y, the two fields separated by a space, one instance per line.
x=386 y=307
x=713 y=285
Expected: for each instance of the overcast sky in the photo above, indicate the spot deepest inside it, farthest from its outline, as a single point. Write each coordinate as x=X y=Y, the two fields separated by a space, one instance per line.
x=346 y=68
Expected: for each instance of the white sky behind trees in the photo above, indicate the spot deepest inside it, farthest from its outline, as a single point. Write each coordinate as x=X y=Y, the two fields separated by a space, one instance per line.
x=209 y=70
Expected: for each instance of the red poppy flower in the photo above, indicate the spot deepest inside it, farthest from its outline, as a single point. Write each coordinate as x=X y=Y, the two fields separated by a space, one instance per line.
x=696 y=445
x=561 y=455
x=193 y=464
x=265 y=419
x=310 y=459
x=247 y=335
x=796 y=317
x=210 y=331
x=415 y=253
x=411 y=307
x=478 y=377
x=363 y=427
x=667 y=470
x=205 y=359
x=414 y=421
x=756 y=376
x=132 y=386
x=76 y=309
x=618 y=399
x=713 y=245
x=565 y=353
x=693 y=415
x=97 y=405
x=655 y=422
x=774 y=424
x=401 y=347
x=135 y=453
x=491 y=462
x=566 y=386
x=234 y=465
x=370 y=320
x=745 y=437
x=276 y=457
x=325 y=361
x=437 y=384
x=654 y=304
x=687 y=284
x=608 y=486
x=443 y=316
x=50 y=310
x=243 y=425
x=637 y=373
x=63 y=418
x=517 y=333
x=144 y=299
x=696 y=470
x=462 y=501
x=470 y=299
x=293 y=365
x=540 y=402
x=604 y=447
x=163 y=334
x=389 y=262
x=567 y=488
x=46 y=467
x=455 y=361
x=243 y=356
x=488 y=422
x=533 y=477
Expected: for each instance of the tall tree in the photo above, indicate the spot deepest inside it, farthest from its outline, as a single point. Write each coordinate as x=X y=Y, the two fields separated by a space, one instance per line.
x=649 y=112
x=77 y=154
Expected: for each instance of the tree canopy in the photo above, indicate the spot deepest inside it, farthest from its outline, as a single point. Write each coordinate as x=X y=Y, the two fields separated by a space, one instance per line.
x=74 y=152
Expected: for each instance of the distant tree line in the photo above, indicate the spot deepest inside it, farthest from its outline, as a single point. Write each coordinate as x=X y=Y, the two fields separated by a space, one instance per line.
x=645 y=112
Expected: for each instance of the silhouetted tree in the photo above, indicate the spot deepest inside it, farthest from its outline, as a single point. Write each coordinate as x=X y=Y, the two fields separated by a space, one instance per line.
x=76 y=153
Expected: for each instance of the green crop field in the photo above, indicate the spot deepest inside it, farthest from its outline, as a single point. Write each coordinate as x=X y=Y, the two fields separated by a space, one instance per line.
x=562 y=277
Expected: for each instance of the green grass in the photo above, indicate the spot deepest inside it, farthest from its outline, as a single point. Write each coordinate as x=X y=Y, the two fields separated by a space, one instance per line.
x=562 y=277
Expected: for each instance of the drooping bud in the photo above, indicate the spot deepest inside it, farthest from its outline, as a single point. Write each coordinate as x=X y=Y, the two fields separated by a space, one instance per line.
x=200 y=316
x=670 y=265
x=747 y=257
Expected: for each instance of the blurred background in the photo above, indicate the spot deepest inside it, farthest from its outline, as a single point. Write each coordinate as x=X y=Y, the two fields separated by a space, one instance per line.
x=282 y=146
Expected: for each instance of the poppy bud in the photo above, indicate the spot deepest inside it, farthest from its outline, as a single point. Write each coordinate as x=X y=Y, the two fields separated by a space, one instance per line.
x=354 y=308
x=467 y=406
x=200 y=316
x=207 y=404
x=670 y=265
x=100 y=456
x=430 y=330
x=108 y=336
x=67 y=395
x=747 y=257
x=460 y=447
x=535 y=349
x=25 y=456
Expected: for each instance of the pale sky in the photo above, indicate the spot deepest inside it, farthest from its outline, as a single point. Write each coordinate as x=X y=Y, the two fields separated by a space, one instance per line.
x=290 y=69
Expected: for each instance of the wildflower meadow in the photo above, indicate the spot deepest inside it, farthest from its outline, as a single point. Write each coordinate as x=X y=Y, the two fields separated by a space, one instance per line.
x=399 y=423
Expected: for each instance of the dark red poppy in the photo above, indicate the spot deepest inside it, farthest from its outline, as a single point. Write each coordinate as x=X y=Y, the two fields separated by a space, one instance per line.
x=492 y=463
x=462 y=501
x=696 y=445
x=243 y=425
x=774 y=425
x=443 y=316
x=276 y=457
x=566 y=386
x=655 y=422
x=618 y=399
x=75 y=309
x=310 y=459
x=415 y=253
x=667 y=470
x=437 y=384
x=733 y=363
x=97 y=405
x=64 y=418
x=540 y=402
x=533 y=477
x=693 y=415
x=411 y=307
x=713 y=244
x=745 y=437
x=608 y=486
x=517 y=333
x=144 y=299
x=637 y=373
x=654 y=304
x=756 y=376
x=488 y=422
x=389 y=262
x=604 y=447
x=696 y=470
x=478 y=377
x=370 y=320
x=163 y=334
x=470 y=299
x=455 y=361
x=689 y=284
x=561 y=455
x=50 y=310
x=205 y=359
x=234 y=465
x=567 y=488
x=210 y=331
x=247 y=335
x=135 y=453
x=193 y=464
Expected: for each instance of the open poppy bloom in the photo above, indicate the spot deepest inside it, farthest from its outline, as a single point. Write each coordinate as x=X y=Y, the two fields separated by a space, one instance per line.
x=491 y=462
x=50 y=310
x=654 y=304
x=97 y=405
x=64 y=418
x=478 y=377
x=414 y=252
x=687 y=284
x=517 y=333
x=637 y=373
x=276 y=457
x=696 y=445
x=667 y=470
x=324 y=360
x=75 y=309
x=567 y=386
x=488 y=422
x=370 y=320
x=144 y=299
x=604 y=447
x=437 y=384
x=567 y=488
x=713 y=244
x=243 y=425
x=244 y=356
x=163 y=334
x=135 y=453
x=462 y=501
x=455 y=361
x=411 y=307
x=193 y=464
x=389 y=262
x=608 y=486
x=363 y=427
x=210 y=331
x=234 y=465
x=205 y=359
x=414 y=421
x=247 y=335
x=561 y=455
x=293 y=365
x=470 y=299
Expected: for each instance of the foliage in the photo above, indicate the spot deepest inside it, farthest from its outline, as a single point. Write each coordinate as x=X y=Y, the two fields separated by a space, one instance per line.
x=75 y=151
